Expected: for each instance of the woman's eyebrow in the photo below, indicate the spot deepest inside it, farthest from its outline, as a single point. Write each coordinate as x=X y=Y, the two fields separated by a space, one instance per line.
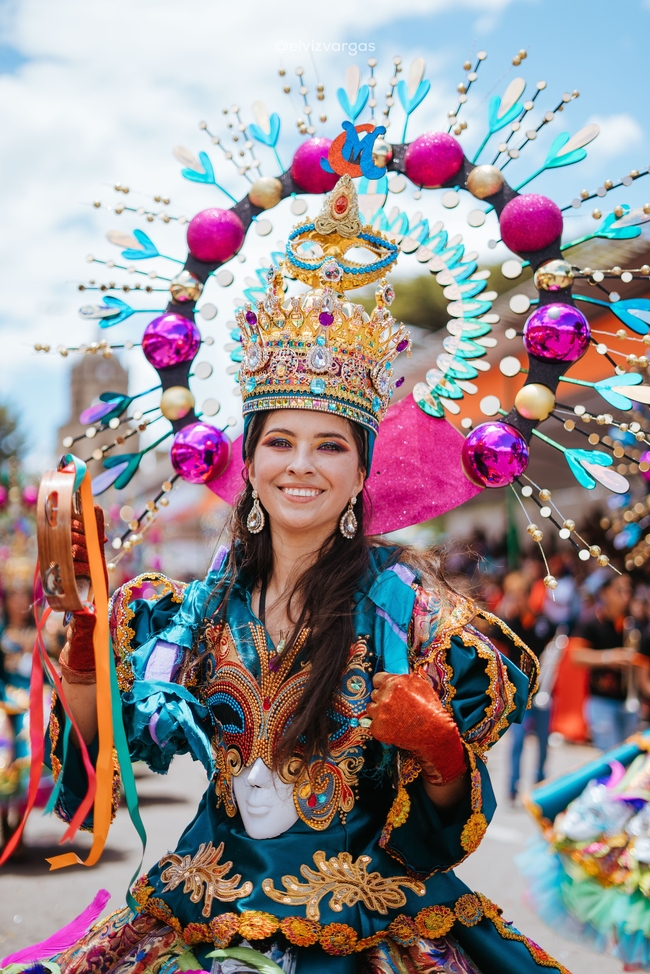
x=319 y=436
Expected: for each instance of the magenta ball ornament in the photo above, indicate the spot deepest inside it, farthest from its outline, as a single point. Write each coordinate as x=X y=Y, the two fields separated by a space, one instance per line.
x=306 y=170
x=432 y=159
x=215 y=235
x=530 y=222
x=200 y=452
x=557 y=332
x=170 y=340
x=494 y=454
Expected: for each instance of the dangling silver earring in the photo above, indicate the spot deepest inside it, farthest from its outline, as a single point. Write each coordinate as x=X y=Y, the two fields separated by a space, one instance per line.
x=348 y=523
x=256 y=520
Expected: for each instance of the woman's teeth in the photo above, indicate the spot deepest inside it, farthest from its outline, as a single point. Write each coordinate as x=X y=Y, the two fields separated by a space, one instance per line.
x=301 y=491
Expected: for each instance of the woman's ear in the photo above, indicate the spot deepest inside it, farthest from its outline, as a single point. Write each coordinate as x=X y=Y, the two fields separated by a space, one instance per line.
x=249 y=472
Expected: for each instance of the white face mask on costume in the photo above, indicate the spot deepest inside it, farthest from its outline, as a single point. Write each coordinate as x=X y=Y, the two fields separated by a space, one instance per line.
x=264 y=801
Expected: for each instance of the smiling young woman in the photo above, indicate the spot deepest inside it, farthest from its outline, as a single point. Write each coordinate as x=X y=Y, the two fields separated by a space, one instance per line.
x=332 y=685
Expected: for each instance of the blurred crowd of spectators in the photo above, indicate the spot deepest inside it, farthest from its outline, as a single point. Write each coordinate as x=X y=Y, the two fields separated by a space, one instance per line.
x=591 y=633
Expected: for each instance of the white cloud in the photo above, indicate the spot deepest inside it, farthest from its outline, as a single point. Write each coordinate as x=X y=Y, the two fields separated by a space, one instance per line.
x=618 y=133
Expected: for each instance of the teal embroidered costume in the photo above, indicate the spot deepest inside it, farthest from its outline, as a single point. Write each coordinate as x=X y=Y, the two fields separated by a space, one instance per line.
x=366 y=869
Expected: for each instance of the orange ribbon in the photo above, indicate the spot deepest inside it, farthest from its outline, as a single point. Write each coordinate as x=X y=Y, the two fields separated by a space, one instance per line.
x=104 y=766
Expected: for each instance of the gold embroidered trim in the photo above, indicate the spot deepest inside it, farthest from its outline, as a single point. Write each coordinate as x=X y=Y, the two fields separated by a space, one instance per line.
x=339 y=939
x=346 y=882
x=203 y=877
x=508 y=932
x=121 y=613
x=528 y=662
x=55 y=730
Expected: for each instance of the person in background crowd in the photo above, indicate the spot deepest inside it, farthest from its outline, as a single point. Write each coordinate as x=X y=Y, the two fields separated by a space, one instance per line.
x=598 y=646
x=535 y=630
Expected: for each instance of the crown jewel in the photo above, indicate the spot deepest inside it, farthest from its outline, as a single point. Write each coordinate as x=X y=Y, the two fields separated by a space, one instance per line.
x=318 y=350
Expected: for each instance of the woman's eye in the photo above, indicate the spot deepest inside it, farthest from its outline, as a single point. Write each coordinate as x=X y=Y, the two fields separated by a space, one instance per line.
x=334 y=447
x=278 y=441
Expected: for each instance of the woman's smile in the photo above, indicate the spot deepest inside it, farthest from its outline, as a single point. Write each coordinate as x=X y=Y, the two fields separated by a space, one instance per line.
x=301 y=494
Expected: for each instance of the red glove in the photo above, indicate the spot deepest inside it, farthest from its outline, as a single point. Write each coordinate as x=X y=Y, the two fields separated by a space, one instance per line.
x=406 y=711
x=77 y=658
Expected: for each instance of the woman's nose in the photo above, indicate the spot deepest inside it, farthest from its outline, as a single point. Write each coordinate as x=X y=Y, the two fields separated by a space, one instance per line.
x=301 y=463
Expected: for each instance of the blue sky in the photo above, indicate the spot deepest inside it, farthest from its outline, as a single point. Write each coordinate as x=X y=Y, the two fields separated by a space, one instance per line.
x=91 y=93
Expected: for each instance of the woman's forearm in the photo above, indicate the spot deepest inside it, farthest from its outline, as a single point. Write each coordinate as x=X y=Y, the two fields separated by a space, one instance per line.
x=82 y=698
x=446 y=796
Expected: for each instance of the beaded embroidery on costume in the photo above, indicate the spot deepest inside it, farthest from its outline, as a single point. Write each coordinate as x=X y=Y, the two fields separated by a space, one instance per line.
x=251 y=718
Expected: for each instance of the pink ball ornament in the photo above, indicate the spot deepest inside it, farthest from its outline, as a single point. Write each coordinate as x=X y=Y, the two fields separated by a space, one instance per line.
x=494 y=454
x=215 y=235
x=557 y=332
x=306 y=170
x=530 y=222
x=30 y=495
x=432 y=159
x=4 y=495
x=200 y=452
x=170 y=340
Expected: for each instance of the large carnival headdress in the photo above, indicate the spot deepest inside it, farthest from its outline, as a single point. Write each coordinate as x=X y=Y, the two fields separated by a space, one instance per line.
x=319 y=351
x=289 y=352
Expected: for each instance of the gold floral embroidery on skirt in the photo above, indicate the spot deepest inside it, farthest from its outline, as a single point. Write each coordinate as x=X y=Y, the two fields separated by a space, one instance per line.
x=203 y=877
x=346 y=882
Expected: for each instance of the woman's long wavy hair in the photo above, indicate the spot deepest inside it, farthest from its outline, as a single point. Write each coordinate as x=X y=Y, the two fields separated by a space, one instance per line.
x=322 y=598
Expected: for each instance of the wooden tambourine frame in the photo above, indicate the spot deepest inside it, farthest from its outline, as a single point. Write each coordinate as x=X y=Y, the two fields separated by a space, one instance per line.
x=57 y=501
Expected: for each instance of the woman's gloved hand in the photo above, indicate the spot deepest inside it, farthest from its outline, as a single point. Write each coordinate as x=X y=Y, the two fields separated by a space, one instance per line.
x=77 y=658
x=406 y=712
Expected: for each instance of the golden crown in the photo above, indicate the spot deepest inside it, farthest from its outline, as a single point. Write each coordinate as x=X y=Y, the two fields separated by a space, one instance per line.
x=319 y=351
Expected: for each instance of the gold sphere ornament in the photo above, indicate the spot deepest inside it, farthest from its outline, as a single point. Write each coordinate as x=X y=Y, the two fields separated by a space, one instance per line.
x=550 y=581
x=185 y=287
x=265 y=192
x=176 y=402
x=484 y=181
x=553 y=275
x=534 y=401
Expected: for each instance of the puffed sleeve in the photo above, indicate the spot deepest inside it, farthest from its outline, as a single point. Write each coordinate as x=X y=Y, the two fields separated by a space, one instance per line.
x=485 y=692
x=152 y=639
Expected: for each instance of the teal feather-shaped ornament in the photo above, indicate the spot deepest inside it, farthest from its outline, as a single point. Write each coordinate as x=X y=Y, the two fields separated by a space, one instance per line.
x=592 y=466
x=146 y=247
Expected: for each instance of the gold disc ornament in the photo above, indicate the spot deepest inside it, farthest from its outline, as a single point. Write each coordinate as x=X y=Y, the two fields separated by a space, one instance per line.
x=176 y=402
x=534 y=401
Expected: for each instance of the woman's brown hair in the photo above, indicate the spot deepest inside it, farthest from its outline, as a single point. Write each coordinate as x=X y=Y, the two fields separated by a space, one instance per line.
x=322 y=599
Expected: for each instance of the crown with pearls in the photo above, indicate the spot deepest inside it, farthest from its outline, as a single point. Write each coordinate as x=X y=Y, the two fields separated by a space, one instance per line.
x=318 y=350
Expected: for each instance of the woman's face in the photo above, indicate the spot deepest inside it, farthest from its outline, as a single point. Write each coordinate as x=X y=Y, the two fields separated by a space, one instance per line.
x=305 y=470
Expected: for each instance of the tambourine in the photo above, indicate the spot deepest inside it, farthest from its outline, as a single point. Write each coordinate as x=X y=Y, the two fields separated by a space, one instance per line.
x=57 y=502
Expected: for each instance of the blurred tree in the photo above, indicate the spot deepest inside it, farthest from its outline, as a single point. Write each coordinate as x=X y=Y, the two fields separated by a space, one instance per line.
x=12 y=441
